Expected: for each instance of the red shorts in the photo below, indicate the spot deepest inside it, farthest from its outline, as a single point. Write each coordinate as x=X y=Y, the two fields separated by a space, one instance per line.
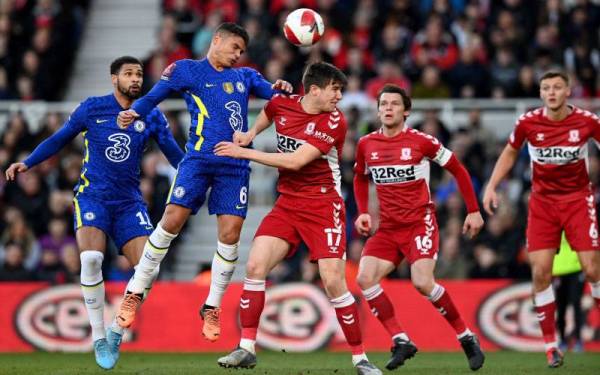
x=547 y=219
x=414 y=241
x=319 y=223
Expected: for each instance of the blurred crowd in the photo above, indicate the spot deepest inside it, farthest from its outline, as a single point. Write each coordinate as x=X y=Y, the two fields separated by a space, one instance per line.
x=38 y=41
x=433 y=48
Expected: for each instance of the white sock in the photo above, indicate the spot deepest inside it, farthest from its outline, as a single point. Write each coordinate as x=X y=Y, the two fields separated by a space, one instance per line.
x=372 y=292
x=248 y=345
x=358 y=357
x=401 y=336
x=115 y=327
x=155 y=250
x=595 y=287
x=92 y=287
x=223 y=265
x=544 y=297
x=467 y=332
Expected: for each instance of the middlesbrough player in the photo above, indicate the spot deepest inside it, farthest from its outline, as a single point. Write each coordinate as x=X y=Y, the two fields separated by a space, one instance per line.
x=397 y=159
x=310 y=135
x=217 y=96
x=561 y=194
x=108 y=200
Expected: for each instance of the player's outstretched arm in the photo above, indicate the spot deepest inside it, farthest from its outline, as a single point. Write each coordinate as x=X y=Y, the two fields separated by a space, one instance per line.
x=14 y=169
x=294 y=160
x=245 y=138
x=51 y=145
x=504 y=164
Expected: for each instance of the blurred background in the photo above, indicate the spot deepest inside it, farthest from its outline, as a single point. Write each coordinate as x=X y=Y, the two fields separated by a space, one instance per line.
x=471 y=67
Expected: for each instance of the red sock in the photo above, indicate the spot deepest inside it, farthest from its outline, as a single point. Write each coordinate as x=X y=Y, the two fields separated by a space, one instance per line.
x=442 y=301
x=382 y=308
x=346 y=311
x=545 y=315
x=252 y=303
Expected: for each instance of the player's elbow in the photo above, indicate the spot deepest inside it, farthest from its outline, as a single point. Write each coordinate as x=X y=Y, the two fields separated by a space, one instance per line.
x=295 y=164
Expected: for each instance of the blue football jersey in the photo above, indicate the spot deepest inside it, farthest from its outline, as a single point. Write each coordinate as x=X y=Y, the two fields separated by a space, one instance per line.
x=216 y=100
x=112 y=156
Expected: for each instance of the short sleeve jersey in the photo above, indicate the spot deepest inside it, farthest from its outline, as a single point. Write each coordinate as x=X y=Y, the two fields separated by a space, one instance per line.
x=558 y=151
x=325 y=131
x=399 y=168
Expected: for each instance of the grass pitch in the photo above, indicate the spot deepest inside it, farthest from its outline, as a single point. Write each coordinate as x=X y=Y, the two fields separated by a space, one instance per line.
x=291 y=363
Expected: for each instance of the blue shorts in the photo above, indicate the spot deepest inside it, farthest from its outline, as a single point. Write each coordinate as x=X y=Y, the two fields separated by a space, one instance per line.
x=228 y=187
x=121 y=221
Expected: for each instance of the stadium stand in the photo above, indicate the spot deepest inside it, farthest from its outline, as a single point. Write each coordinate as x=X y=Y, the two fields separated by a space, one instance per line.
x=459 y=52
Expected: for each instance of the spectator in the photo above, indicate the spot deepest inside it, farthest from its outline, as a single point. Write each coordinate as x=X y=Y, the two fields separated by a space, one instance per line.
x=13 y=268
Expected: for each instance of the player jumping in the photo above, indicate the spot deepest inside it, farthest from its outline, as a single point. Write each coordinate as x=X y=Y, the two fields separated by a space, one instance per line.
x=561 y=194
x=397 y=158
x=310 y=136
x=108 y=201
x=216 y=95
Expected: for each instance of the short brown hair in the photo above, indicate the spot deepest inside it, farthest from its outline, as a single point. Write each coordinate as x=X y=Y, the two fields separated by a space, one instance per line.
x=554 y=74
x=322 y=74
x=395 y=89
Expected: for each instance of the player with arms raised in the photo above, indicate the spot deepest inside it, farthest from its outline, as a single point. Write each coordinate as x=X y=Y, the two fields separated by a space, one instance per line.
x=561 y=194
x=397 y=158
x=108 y=201
x=310 y=136
x=217 y=96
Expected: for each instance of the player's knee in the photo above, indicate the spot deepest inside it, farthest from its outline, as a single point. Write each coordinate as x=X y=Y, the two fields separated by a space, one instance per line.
x=366 y=280
x=423 y=283
x=333 y=282
x=541 y=277
x=91 y=260
x=229 y=236
x=591 y=271
x=256 y=270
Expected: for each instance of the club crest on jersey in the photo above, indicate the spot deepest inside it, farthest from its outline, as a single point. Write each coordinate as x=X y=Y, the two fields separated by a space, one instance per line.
x=139 y=126
x=539 y=137
x=166 y=74
x=179 y=192
x=374 y=156
x=310 y=128
x=89 y=216
x=228 y=87
x=240 y=87
x=574 y=136
x=406 y=154
x=282 y=121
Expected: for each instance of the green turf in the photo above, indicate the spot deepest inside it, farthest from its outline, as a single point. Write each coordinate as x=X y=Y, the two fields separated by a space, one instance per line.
x=510 y=363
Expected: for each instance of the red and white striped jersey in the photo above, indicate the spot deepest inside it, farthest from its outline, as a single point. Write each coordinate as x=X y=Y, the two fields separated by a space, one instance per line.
x=326 y=131
x=558 y=151
x=399 y=167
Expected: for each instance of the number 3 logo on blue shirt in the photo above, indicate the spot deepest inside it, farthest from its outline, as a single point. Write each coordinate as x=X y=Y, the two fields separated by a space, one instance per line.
x=235 y=118
x=118 y=152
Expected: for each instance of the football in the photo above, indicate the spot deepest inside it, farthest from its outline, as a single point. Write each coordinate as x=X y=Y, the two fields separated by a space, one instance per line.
x=303 y=27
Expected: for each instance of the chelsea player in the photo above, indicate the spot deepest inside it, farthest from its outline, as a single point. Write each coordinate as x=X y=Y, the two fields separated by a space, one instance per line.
x=216 y=95
x=108 y=201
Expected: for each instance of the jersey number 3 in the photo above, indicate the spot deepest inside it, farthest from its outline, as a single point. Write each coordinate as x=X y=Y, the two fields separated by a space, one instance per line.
x=119 y=151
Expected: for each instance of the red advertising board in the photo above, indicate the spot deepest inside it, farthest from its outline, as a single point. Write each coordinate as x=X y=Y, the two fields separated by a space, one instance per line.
x=297 y=317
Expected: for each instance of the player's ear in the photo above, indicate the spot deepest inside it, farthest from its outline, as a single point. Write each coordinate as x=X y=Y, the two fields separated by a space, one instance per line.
x=406 y=114
x=113 y=79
